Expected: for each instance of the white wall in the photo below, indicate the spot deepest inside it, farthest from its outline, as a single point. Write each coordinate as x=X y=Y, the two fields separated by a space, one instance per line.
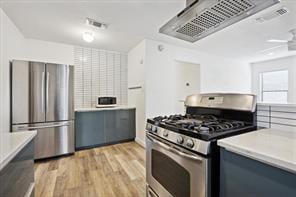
x=224 y=75
x=187 y=82
x=12 y=46
x=15 y=46
x=136 y=97
x=38 y=50
x=285 y=63
x=218 y=74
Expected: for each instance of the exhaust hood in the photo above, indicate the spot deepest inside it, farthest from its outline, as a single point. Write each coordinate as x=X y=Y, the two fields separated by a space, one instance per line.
x=203 y=17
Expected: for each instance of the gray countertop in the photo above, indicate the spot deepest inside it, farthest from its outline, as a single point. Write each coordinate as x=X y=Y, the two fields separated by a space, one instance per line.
x=12 y=143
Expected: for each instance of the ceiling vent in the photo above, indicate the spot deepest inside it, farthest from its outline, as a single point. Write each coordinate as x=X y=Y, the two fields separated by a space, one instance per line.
x=274 y=14
x=96 y=24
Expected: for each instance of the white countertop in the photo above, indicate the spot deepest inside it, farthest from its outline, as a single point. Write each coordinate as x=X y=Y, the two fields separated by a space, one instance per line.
x=104 y=108
x=12 y=143
x=272 y=146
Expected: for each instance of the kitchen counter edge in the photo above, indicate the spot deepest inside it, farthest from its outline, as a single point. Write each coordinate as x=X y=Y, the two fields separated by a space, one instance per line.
x=252 y=145
x=12 y=144
x=104 y=109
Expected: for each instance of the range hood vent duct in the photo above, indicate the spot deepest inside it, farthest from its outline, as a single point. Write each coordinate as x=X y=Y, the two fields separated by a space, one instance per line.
x=203 y=17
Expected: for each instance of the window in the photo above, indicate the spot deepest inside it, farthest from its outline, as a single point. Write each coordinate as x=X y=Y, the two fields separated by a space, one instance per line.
x=274 y=86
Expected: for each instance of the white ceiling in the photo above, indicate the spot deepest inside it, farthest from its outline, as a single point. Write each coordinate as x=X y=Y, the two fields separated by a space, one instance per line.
x=130 y=21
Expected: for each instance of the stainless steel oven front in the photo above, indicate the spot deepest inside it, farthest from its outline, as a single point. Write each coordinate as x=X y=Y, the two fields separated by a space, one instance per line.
x=174 y=171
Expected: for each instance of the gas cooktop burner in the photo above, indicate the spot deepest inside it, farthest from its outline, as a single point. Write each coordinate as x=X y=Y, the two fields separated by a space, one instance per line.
x=199 y=123
x=204 y=126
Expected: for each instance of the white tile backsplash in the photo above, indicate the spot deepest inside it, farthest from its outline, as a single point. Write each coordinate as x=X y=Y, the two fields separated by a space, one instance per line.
x=99 y=73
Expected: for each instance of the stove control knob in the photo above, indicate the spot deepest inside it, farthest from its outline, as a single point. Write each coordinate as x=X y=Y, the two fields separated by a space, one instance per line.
x=165 y=133
x=154 y=129
x=180 y=140
x=189 y=143
x=148 y=127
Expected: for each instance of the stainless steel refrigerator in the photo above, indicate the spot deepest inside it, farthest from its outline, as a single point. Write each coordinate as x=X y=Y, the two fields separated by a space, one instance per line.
x=42 y=100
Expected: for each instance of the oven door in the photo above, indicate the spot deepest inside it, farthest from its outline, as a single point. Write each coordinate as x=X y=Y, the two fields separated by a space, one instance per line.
x=174 y=171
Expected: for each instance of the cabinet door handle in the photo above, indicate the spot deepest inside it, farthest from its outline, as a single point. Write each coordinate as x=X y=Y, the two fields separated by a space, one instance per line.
x=42 y=92
x=135 y=87
x=43 y=127
x=172 y=149
x=47 y=91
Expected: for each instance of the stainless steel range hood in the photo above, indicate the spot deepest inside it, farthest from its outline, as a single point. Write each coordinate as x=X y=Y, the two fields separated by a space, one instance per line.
x=203 y=17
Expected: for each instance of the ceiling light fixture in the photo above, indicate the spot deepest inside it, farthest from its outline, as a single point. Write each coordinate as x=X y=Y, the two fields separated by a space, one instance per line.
x=88 y=36
x=270 y=54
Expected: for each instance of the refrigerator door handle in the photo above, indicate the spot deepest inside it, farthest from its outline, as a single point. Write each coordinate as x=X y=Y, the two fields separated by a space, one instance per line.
x=42 y=127
x=42 y=92
x=47 y=89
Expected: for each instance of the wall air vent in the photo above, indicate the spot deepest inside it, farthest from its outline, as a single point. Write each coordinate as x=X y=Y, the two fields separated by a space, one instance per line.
x=274 y=14
x=96 y=24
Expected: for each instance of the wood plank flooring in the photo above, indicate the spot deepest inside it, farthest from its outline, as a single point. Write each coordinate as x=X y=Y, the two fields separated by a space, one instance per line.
x=116 y=170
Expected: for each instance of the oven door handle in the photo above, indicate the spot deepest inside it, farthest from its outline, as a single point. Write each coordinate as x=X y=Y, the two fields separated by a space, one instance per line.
x=172 y=149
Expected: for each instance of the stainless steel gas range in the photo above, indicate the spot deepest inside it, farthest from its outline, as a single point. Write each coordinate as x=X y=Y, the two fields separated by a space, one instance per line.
x=182 y=157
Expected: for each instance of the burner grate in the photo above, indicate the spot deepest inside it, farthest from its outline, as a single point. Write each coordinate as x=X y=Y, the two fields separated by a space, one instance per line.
x=200 y=123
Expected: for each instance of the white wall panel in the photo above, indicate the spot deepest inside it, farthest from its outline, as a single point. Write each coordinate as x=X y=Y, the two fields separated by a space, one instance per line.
x=263 y=124
x=278 y=117
x=99 y=73
x=283 y=121
x=263 y=119
x=263 y=113
x=290 y=115
x=283 y=109
x=263 y=108
x=283 y=127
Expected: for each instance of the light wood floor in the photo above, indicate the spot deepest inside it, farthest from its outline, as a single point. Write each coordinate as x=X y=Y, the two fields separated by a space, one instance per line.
x=116 y=170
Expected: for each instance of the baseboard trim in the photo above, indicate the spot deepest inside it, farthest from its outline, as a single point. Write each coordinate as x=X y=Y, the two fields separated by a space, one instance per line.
x=103 y=144
x=140 y=142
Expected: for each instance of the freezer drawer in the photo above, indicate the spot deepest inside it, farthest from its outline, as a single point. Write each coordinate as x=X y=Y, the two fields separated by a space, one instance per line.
x=53 y=139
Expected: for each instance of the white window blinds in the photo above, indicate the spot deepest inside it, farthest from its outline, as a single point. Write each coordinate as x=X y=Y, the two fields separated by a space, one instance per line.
x=99 y=73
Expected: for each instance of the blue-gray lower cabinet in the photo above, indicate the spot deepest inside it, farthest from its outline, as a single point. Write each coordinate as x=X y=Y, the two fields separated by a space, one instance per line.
x=17 y=177
x=244 y=177
x=89 y=129
x=96 y=128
